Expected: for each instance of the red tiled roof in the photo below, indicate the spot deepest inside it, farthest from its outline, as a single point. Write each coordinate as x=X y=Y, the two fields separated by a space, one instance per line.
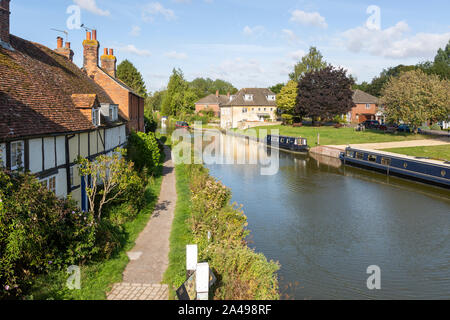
x=36 y=88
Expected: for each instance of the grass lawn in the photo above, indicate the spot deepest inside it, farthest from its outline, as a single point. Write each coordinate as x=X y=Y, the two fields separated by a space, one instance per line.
x=333 y=136
x=434 y=152
x=97 y=278
x=181 y=235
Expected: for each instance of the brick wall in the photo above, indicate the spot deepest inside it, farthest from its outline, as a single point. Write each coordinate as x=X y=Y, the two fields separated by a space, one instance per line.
x=202 y=107
x=360 y=113
x=4 y=20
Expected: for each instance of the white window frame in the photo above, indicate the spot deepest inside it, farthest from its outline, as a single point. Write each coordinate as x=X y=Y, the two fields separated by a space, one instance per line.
x=113 y=112
x=2 y=155
x=248 y=97
x=47 y=183
x=96 y=117
x=271 y=97
x=368 y=106
x=14 y=165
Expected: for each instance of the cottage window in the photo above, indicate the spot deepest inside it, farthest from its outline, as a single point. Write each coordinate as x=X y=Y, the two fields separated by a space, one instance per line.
x=248 y=97
x=367 y=106
x=17 y=155
x=2 y=155
x=244 y=110
x=49 y=183
x=96 y=117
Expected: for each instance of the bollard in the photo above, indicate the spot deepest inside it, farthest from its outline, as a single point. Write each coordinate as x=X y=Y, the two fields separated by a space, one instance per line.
x=202 y=281
x=191 y=260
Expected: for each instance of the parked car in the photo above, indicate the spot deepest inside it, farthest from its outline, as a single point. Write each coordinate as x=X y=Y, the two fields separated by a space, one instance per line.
x=404 y=128
x=182 y=124
x=371 y=124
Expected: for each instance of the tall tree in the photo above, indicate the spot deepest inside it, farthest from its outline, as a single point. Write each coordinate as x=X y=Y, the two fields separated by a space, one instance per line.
x=443 y=55
x=416 y=97
x=277 y=88
x=313 y=61
x=129 y=75
x=325 y=93
x=287 y=97
x=179 y=98
x=204 y=87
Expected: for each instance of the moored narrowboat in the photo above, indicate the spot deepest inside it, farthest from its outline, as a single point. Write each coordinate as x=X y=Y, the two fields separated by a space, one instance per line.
x=288 y=143
x=418 y=169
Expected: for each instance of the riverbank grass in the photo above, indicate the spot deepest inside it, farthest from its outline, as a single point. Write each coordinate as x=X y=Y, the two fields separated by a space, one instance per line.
x=433 y=152
x=334 y=136
x=98 y=277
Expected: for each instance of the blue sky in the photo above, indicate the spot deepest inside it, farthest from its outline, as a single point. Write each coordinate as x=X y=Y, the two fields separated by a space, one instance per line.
x=251 y=43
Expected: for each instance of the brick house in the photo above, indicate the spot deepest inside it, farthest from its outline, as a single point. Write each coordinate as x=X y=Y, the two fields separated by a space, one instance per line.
x=366 y=107
x=212 y=102
x=131 y=104
x=51 y=113
x=248 y=107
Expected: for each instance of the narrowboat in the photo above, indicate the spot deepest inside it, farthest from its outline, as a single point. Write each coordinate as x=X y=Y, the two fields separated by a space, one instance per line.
x=288 y=143
x=182 y=124
x=418 y=169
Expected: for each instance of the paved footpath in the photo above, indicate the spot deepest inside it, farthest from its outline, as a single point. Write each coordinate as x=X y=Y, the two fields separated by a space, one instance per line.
x=398 y=144
x=149 y=258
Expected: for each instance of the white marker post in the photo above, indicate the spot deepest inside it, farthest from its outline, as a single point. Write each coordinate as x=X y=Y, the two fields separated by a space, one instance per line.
x=191 y=260
x=202 y=281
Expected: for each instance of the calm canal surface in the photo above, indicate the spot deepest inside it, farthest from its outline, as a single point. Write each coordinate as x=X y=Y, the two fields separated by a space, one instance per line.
x=327 y=224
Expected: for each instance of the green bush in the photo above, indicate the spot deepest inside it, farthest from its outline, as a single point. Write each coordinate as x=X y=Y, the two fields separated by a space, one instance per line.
x=219 y=229
x=436 y=127
x=150 y=124
x=143 y=149
x=38 y=232
x=287 y=118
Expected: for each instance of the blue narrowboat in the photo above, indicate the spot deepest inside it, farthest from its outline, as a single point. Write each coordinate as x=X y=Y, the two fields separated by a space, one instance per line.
x=288 y=143
x=424 y=171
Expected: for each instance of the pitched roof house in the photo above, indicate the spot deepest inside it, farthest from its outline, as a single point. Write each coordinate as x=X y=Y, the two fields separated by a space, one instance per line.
x=247 y=106
x=51 y=112
x=212 y=102
x=131 y=104
x=366 y=107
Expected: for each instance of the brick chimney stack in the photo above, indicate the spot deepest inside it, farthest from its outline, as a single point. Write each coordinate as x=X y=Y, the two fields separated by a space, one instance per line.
x=4 y=21
x=90 y=55
x=109 y=62
x=217 y=93
x=66 y=51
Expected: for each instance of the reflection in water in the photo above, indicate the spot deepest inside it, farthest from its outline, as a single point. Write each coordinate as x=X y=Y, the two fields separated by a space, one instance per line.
x=327 y=223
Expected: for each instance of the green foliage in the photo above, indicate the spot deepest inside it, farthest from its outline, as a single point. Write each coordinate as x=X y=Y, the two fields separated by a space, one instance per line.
x=153 y=102
x=277 y=88
x=128 y=73
x=143 y=150
x=204 y=87
x=38 y=232
x=242 y=273
x=415 y=97
x=288 y=119
x=287 y=97
x=180 y=98
x=313 y=61
x=150 y=122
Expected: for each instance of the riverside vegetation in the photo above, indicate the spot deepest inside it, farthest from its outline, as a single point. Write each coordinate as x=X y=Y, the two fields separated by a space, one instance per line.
x=204 y=216
x=41 y=235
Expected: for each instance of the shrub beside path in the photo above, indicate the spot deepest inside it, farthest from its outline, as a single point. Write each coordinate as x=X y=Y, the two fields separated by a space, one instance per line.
x=149 y=258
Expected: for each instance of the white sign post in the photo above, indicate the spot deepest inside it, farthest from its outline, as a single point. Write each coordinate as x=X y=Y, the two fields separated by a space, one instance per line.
x=191 y=260
x=202 y=281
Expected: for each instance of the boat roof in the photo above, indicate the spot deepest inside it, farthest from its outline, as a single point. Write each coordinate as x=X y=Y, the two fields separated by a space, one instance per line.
x=402 y=156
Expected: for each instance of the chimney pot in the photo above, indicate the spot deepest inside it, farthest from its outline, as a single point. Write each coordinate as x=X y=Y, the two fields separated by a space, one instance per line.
x=88 y=35
x=59 y=42
x=94 y=34
x=68 y=45
x=105 y=51
x=111 y=52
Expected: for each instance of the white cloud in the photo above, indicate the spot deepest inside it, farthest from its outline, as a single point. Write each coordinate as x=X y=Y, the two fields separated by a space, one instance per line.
x=91 y=6
x=176 y=55
x=291 y=36
x=135 y=31
x=153 y=9
x=392 y=42
x=309 y=19
x=255 y=31
x=133 y=50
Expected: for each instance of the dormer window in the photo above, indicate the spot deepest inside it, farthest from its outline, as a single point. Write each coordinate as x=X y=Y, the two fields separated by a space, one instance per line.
x=96 y=117
x=248 y=97
x=113 y=112
x=271 y=97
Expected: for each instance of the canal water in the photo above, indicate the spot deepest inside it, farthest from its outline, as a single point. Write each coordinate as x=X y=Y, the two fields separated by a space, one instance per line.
x=326 y=224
